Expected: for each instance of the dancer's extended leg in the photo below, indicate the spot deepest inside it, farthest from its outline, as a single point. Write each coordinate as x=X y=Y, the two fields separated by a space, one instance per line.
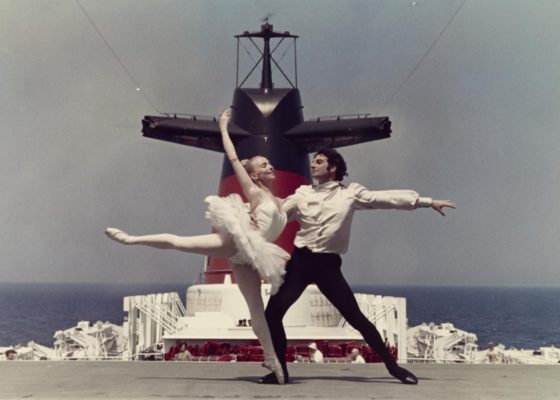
x=249 y=283
x=212 y=244
x=332 y=284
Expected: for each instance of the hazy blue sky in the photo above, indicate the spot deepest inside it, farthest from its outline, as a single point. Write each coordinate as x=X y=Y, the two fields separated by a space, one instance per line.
x=477 y=122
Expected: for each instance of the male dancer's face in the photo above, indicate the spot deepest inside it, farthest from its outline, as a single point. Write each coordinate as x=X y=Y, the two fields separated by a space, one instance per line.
x=320 y=169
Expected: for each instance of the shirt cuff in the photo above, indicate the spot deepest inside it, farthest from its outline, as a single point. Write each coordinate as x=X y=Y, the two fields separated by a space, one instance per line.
x=424 y=202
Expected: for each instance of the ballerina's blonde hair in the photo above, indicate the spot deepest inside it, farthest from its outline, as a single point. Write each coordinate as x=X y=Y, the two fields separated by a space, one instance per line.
x=248 y=164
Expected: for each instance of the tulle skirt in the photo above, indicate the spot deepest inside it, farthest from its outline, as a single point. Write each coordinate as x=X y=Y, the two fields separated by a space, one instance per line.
x=231 y=217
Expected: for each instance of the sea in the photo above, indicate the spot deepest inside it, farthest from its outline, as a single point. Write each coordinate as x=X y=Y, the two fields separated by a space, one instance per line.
x=524 y=318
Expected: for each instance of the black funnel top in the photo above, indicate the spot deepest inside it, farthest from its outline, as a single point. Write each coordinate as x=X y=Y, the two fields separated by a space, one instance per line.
x=268 y=119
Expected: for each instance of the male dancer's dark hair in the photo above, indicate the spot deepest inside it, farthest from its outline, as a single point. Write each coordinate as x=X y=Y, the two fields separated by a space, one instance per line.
x=335 y=160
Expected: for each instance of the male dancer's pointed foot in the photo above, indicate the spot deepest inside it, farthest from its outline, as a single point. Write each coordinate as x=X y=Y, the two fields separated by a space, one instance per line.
x=274 y=365
x=404 y=375
x=118 y=236
x=271 y=379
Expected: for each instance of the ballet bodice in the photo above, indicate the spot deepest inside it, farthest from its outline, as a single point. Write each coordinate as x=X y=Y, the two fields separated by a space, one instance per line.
x=253 y=233
x=270 y=221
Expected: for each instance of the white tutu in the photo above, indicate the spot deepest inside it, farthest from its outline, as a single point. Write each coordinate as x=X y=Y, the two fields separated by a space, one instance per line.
x=230 y=216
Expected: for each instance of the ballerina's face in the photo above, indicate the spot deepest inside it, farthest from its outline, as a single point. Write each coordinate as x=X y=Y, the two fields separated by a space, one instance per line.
x=262 y=169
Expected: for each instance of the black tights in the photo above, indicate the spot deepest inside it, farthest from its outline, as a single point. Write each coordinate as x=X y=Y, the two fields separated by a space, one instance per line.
x=323 y=269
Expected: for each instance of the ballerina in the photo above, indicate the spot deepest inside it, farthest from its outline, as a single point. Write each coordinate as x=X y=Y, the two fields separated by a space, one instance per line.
x=244 y=235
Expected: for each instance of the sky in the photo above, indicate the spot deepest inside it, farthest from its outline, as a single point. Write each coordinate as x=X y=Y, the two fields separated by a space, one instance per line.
x=472 y=88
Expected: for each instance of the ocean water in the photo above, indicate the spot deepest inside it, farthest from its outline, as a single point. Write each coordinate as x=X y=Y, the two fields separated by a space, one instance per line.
x=34 y=311
x=524 y=318
x=517 y=317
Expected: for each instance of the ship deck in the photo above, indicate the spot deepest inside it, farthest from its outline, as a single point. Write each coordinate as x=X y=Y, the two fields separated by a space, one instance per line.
x=188 y=380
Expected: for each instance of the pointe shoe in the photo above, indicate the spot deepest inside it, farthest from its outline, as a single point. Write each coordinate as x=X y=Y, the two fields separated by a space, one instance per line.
x=118 y=236
x=274 y=365
x=405 y=376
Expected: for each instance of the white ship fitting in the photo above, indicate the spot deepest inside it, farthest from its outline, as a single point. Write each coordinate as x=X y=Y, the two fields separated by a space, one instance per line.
x=442 y=343
x=215 y=313
x=85 y=341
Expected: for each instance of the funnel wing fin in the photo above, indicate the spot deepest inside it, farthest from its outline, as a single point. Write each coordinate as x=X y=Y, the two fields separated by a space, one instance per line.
x=202 y=132
x=338 y=132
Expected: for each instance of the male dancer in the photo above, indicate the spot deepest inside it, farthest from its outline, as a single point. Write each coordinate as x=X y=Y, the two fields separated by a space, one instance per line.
x=325 y=212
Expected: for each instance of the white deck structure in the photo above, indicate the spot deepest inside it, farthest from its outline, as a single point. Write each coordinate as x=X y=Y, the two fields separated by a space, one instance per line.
x=213 y=312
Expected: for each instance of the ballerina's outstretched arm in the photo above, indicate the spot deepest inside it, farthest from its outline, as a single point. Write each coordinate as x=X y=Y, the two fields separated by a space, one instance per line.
x=251 y=190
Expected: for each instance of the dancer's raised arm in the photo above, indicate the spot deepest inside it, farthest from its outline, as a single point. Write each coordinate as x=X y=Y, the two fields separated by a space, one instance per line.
x=250 y=189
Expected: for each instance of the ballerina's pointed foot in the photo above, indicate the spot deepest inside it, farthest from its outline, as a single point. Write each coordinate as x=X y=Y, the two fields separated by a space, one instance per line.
x=404 y=375
x=118 y=236
x=274 y=365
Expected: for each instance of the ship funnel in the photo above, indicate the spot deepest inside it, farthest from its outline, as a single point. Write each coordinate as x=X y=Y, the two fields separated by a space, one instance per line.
x=267 y=120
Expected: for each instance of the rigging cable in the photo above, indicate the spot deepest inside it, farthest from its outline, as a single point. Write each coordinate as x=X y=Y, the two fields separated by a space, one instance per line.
x=421 y=59
x=138 y=88
x=248 y=53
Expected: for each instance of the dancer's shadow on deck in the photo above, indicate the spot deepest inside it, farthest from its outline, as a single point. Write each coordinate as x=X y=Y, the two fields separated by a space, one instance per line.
x=293 y=380
x=357 y=379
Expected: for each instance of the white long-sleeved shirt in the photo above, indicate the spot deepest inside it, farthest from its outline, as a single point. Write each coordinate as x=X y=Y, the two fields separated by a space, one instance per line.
x=325 y=211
